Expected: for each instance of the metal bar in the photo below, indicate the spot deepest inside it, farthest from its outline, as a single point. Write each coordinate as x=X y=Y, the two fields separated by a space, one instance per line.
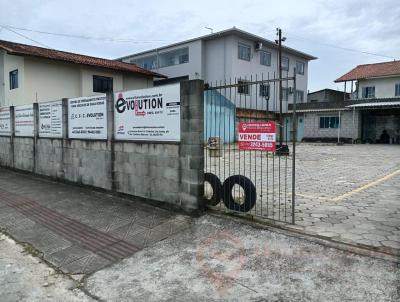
x=294 y=127
x=207 y=87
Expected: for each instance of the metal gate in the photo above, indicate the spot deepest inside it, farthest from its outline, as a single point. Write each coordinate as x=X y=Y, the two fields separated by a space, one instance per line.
x=250 y=182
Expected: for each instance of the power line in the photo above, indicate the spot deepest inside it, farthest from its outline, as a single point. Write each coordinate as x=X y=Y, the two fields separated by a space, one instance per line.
x=342 y=48
x=26 y=37
x=108 y=39
x=136 y=41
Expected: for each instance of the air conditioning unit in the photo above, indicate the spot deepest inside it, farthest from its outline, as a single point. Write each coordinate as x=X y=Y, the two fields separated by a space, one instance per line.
x=258 y=46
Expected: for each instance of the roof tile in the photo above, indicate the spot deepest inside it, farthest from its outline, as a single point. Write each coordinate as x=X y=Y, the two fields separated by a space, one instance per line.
x=371 y=70
x=28 y=50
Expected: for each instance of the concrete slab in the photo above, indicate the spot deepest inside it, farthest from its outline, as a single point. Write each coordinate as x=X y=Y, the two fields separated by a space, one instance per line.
x=25 y=278
x=218 y=259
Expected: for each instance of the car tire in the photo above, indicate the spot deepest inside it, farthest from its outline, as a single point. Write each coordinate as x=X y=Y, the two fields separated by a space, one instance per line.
x=249 y=191
x=216 y=186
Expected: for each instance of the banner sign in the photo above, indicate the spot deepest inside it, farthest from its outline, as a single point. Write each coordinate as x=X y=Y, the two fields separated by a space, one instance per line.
x=152 y=114
x=258 y=136
x=24 y=120
x=50 y=119
x=87 y=117
x=5 y=121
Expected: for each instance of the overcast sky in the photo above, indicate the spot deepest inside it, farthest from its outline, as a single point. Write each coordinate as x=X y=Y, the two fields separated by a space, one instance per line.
x=310 y=26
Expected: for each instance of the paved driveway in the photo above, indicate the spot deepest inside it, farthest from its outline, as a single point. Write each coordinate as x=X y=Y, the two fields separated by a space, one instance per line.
x=350 y=193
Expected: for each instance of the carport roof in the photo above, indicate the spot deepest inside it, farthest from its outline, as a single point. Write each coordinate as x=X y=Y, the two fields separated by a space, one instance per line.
x=376 y=104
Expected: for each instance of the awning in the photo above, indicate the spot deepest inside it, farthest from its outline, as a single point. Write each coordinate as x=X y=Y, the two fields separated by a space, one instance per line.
x=319 y=110
x=376 y=105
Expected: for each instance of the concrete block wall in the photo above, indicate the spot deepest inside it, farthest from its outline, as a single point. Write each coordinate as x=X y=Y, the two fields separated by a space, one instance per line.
x=5 y=151
x=24 y=153
x=347 y=129
x=165 y=172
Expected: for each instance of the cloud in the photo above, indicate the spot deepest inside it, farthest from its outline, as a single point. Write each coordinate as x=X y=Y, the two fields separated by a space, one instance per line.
x=371 y=26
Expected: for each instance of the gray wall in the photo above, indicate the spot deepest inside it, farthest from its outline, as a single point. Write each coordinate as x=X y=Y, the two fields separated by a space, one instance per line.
x=165 y=172
x=327 y=95
x=347 y=129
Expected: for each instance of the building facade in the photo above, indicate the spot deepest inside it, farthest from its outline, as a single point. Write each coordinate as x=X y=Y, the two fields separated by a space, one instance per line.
x=230 y=56
x=33 y=74
x=370 y=113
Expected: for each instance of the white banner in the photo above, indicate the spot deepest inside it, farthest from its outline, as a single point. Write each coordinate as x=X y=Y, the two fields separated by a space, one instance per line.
x=87 y=117
x=5 y=121
x=151 y=114
x=24 y=120
x=50 y=119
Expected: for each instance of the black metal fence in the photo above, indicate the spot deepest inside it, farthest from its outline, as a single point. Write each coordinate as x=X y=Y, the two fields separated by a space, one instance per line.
x=245 y=178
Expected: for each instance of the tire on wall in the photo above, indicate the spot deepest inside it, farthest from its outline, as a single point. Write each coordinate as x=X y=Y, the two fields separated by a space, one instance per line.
x=249 y=192
x=216 y=186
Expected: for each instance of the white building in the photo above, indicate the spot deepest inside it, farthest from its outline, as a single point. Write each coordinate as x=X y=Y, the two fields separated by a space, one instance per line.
x=370 y=113
x=34 y=74
x=225 y=56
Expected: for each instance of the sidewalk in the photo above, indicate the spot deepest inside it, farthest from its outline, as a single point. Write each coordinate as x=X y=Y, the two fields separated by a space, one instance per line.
x=78 y=230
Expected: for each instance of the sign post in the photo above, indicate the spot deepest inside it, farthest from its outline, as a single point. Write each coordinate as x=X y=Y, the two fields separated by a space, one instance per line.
x=258 y=136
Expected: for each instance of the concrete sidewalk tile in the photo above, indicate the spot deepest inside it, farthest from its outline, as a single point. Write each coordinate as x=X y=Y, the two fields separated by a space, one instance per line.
x=85 y=265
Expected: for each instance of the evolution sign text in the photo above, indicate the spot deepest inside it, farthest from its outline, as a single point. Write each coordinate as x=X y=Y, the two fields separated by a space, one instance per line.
x=258 y=136
x=151 y=114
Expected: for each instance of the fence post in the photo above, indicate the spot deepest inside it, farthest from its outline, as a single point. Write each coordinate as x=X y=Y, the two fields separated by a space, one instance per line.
x=294 y=138
x=191 y=151
x=35 y=134
x=110 y=137
x=64 y=121
x=12 y=135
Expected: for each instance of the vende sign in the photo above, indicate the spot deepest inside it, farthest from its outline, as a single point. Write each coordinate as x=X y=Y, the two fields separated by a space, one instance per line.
x=259 y=136
x=151 y=114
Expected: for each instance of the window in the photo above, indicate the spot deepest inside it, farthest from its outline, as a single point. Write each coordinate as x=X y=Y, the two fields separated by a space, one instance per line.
x=244 y=52
x=300 y=66
x=285 y=63
x=397 y=90
x=174 y=57
x=299 y=96
x=14 y=79
x=368 y=92
x=243 y=87
x=265 y=58
x=102 y=84
x=264 y=90
x=149 y=62
x=328 y=122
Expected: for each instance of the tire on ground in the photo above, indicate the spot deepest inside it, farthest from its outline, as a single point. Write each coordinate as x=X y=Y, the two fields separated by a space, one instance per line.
x=250 y=194
x=216 y=186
